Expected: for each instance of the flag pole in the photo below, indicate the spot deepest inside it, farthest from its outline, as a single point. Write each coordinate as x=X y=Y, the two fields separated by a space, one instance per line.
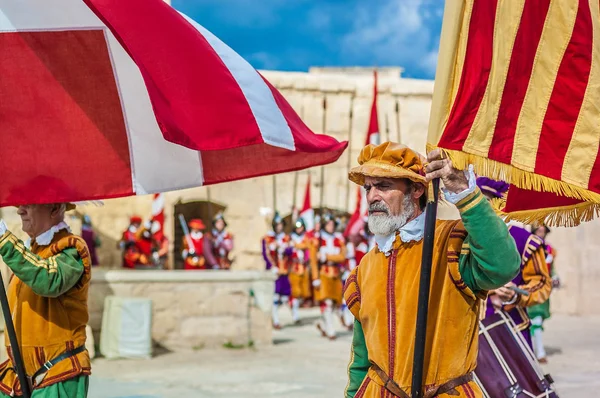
x=387 y=127
x=14 y=343
x=424 y=287
x=323 y=131
x=399 y=137
x=274 y=194
x=349 y=165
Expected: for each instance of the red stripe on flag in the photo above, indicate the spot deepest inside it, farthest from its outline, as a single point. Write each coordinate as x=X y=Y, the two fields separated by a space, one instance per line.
x=186 y=79
x=517 y=78
x=69 y=125
x=567 y=97
x=475 y=74
x=373 y=121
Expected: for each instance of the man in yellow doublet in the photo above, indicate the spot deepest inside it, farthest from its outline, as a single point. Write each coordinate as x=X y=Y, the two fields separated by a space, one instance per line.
x=471 y=256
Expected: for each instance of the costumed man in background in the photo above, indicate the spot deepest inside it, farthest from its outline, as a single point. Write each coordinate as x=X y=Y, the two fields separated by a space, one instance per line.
x=48 y=299
x=276 y=250
x=161 y=243
x=329 y=260
x=146 y=248
x=471 y=256
x=222 y=243
x=127 y=242
x=91 y=239
x=313 y=238
x=539 y=313
x=299 y=275
x=196 y=247
x=533 y=276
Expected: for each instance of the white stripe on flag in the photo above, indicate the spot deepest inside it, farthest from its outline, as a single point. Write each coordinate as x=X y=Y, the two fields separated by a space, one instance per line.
x=271 y=122
x=34 y=15
x=157 y=165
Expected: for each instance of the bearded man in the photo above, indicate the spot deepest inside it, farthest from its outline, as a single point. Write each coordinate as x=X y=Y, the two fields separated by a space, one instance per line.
x=48 y=299
x=471 y=256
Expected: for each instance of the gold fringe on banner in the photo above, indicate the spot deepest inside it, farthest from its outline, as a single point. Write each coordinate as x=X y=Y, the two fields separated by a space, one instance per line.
x=563 y=216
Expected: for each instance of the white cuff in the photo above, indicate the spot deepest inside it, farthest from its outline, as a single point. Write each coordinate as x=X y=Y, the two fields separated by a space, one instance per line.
x=454 y=198
x=3 y=227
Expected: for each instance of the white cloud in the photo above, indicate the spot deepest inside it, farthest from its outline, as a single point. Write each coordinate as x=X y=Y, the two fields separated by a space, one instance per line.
x=263 y=60
x=397 y=32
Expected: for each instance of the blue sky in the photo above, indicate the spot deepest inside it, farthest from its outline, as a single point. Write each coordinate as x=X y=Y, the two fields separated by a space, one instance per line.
x=296 y=34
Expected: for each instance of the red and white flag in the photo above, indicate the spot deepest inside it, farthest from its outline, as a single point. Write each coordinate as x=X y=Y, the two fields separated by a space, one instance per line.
x=308 y=213
x=158 y=215
x=356 y=222
x=110 y=98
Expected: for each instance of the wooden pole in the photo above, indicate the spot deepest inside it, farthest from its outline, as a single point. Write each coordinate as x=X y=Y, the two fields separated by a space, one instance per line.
x=387 y=128
x=208 y=198
x=424 y=287
x=399 y=137
x=274 y=194
x=9 y=328
x=349 y=165
x=324 y=131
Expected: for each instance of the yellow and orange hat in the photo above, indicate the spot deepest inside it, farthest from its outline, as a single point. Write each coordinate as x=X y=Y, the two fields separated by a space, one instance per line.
x=388 y=160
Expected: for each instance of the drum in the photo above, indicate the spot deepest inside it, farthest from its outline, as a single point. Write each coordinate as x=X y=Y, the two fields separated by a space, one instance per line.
x=506 y=365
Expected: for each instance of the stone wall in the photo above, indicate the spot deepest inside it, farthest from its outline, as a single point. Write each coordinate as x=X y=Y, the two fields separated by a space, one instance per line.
x=193 y=310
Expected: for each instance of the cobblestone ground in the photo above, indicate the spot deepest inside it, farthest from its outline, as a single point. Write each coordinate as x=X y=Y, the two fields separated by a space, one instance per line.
x=303 y=364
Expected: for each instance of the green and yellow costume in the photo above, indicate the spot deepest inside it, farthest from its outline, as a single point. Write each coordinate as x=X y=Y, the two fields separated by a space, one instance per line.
x=471 y=256
x=48 y=299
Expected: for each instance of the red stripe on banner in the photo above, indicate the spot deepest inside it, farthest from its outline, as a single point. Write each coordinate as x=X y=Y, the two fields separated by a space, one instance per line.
x=64 y=132
x=475 y=74
x=517 y=78
x=567 y=97
x=522 y=199
x=186 y=79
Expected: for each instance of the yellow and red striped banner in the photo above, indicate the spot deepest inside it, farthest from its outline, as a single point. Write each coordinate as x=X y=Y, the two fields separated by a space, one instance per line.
x=517 y=94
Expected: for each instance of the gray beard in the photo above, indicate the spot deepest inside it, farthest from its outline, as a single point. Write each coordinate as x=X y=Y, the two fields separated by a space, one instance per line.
x=386 y=225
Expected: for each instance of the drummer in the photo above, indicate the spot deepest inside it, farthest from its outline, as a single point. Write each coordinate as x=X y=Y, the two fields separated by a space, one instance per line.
x=471 y=256
x=533 y=282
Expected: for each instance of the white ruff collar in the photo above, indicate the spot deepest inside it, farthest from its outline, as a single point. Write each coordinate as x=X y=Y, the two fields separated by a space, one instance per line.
x=45 y=238
x=413 y=231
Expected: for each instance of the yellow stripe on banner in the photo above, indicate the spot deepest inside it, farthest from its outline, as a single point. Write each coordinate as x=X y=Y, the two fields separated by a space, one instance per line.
x=453 y=45
x=551 y=49
x=583 y=148
x=508 y=19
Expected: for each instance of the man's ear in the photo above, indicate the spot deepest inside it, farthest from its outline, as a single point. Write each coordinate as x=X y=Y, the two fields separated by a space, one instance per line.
x=418 y=191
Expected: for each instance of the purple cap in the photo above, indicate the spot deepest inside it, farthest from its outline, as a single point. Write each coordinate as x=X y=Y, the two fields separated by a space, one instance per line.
x=493 y=187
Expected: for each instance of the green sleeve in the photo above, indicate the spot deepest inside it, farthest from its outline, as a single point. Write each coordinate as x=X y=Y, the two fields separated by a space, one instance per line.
x=48 y=277
x=359 y=361
x=491 y=259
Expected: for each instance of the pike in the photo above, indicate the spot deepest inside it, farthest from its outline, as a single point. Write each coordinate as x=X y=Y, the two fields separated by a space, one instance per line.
x=186 y=234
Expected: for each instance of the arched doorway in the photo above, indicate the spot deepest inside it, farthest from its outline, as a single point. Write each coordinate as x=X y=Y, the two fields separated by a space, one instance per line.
x=201 y=209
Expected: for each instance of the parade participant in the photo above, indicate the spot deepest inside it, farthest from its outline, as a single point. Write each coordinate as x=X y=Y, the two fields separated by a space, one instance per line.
x=127 y=242
x=506 y=365
x=330 y=258
x=470 y=257
x=91 y=239
x=539 y=313
x=299 y=275
x=48 y=299
x=533 y=276
x=275 y=251
x=221 y=243
x=195 y=247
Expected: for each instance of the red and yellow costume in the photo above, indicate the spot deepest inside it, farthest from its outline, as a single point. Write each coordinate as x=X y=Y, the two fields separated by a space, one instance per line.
x=329 y=259
x=193 y=247
x=299 y=273
x=127 y=243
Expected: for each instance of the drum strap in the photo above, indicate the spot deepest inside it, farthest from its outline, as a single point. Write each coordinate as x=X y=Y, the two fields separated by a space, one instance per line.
x=447 y=388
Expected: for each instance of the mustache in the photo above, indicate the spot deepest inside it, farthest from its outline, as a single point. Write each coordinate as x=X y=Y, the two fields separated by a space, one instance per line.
x=379 y=207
